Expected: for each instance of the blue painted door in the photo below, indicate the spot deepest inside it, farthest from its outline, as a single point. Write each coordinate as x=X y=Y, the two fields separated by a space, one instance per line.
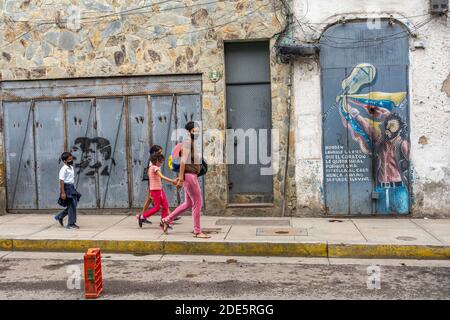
x=365 y=119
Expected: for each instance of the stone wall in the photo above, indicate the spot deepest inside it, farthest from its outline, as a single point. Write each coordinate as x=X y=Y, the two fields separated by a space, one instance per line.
x=429 y=101
x=175 y=37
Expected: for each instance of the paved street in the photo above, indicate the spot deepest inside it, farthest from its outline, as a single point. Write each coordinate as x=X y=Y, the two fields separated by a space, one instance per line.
x=34 y=275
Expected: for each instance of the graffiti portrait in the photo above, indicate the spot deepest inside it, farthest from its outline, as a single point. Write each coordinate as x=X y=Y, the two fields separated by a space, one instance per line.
x=374 y=121
x=92 y=155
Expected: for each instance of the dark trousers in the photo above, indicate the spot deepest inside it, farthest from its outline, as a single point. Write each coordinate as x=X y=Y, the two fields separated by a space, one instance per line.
x=70 y=210
x=72 y=202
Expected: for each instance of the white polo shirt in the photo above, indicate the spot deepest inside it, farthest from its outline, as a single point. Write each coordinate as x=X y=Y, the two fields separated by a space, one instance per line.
x=67 y=174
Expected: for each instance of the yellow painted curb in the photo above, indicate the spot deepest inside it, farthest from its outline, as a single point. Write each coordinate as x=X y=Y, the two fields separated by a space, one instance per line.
x=6 y=244
x=247 y=248
x=111 y=246
x=287 y=249
x=388 y=251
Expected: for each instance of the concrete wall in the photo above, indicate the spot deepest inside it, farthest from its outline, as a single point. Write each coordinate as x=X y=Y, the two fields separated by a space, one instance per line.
x=161 y=40
x=429 y=101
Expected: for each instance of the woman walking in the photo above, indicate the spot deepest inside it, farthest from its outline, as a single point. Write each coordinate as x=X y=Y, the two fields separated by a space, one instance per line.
x=190 y=166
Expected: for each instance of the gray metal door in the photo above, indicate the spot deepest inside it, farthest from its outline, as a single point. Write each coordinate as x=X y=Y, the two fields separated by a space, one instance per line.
x=111 y=152
x=19 y=154
x=365 y=117
x=139 y=119
x=248 y=96
x=80 y=126
x=108 y=124
x=49 y=141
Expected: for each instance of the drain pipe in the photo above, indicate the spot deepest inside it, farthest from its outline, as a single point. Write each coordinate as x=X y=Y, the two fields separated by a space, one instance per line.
x=289 y=103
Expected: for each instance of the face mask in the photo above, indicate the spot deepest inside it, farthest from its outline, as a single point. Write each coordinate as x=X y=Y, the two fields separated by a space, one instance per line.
x=70 y=163
x=194 y=135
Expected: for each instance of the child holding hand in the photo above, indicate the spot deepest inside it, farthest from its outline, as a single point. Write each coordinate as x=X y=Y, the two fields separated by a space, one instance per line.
x=159 y=197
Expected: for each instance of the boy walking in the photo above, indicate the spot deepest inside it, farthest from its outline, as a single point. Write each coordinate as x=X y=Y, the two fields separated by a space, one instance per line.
x=68 y=193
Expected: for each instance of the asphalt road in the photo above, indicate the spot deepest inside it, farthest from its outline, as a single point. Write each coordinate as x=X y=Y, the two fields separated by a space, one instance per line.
x=186 y=277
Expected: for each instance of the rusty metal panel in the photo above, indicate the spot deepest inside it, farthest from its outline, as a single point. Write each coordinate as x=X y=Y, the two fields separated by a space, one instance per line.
x=49 y=144
x=93 y=87
x=80 y=119
x=19 y=152
x=139 y=144
x=111 y=155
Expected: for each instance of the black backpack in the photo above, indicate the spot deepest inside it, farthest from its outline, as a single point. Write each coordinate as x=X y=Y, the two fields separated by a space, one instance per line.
x=204 y=168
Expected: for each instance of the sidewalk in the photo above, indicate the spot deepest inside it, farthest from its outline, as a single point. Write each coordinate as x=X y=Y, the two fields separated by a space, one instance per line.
x=272 y=236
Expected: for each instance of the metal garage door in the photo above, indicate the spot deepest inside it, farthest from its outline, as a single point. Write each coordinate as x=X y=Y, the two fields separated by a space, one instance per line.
x=108 y=125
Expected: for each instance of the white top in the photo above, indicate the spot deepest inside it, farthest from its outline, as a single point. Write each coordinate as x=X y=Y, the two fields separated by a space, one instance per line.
x=67 y=174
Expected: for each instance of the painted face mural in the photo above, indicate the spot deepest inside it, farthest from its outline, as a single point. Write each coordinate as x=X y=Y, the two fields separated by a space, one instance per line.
x=92 y=155
x=374 y=122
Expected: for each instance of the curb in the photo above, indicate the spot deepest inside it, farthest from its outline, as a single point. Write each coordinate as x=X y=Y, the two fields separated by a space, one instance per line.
x=247 y=248
x=426 y=252
x=111 y=246
x=319 y=249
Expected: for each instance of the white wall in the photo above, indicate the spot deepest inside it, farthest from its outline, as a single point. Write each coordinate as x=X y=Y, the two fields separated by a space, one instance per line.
x=429 y=101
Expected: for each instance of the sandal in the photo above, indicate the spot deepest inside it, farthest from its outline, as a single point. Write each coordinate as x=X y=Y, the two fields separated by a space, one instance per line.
x=164 y=226
x=201 y=235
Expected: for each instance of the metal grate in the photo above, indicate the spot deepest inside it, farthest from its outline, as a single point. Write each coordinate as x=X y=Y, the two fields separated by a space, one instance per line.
x=281 y=232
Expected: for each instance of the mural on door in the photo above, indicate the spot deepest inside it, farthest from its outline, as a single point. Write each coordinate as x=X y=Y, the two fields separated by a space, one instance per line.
x=375 y=123
x=92 y=155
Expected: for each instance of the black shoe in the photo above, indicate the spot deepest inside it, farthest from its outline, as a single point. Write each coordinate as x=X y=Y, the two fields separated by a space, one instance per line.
x=73 y=226
x=177 y=218
x=140 y=221
x=146 y=221
x=60 y=220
